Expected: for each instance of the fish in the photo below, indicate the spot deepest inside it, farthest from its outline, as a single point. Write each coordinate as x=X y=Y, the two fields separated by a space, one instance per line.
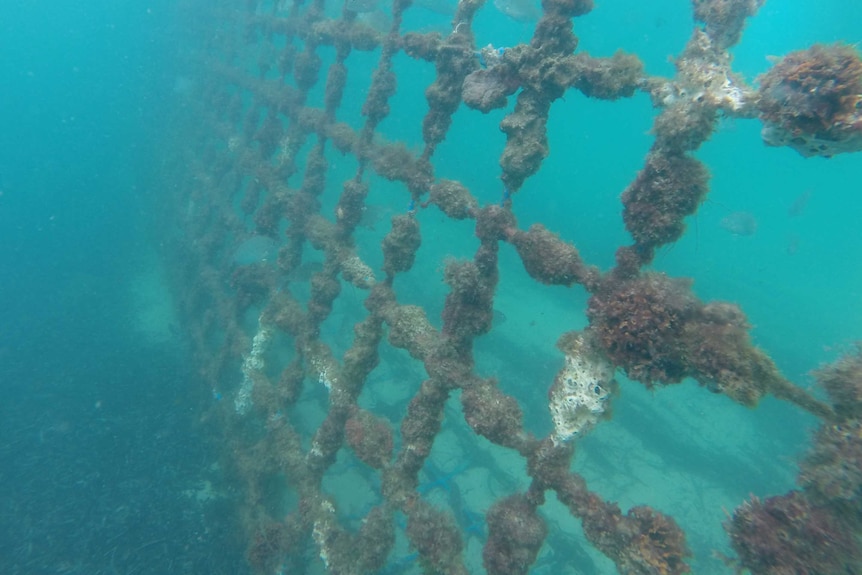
x=305 y=271
x=792 y=244
x=740 y=223
x=442 y=7
x=372 y=215
x=302 y=274
x=499 y=317
x=183 y=86
x=361 y=6
x=519 y=10
x=379 y=20
x=799 y=204
x=256 y=249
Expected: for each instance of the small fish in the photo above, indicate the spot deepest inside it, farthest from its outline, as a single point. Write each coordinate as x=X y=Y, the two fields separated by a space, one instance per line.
x=303 y=273
x=792 y=244
x=379 y=20
x=799 y=204
x=361 y=6
x=740 y=223
x=519 y=10
x=183 y=86
x=442 y=7
x=372 y=215
x=255 y=249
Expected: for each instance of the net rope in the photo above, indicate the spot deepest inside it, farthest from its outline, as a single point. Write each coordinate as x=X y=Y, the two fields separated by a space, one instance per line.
x=257 y=160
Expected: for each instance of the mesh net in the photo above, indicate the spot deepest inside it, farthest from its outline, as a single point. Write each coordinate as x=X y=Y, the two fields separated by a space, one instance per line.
x=342 y=285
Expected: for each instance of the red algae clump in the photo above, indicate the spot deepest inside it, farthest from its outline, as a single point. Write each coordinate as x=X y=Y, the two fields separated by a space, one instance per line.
x=811 y=100
x=787 y=534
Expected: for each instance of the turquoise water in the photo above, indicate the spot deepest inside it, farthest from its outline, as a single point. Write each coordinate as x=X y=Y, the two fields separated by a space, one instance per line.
x=105 y=462
x=97 y=437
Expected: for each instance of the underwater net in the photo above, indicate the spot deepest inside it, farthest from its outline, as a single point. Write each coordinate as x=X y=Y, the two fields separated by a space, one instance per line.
x=351 y=358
